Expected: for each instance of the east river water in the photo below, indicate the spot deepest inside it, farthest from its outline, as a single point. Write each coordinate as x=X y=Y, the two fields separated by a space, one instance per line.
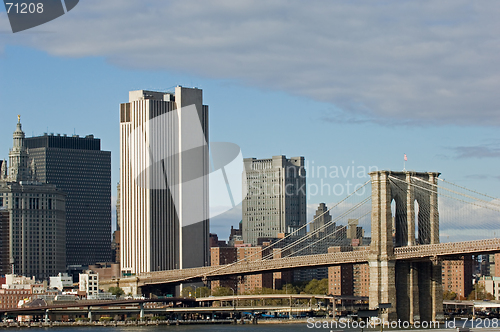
x=278 y=327
x=185 y=328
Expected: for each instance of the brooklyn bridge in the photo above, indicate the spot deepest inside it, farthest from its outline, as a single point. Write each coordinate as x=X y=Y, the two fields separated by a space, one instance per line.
x=410 y=236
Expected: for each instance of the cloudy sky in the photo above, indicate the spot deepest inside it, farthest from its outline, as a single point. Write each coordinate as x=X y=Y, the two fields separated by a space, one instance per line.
x=346 y=84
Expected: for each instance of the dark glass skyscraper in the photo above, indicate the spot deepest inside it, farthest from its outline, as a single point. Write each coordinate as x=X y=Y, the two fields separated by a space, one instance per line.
x=77 y=166
x=4 y=240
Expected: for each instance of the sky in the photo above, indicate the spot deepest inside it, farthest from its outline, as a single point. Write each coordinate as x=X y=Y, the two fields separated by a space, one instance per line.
x=346 y=84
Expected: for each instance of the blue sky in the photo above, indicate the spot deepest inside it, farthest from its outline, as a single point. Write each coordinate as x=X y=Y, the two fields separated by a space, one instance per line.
x=344 y=84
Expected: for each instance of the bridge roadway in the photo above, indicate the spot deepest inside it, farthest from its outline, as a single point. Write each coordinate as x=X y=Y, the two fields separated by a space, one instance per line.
x=179 y=305
x=361 y=255
x=280 y=297
x=96 y=303
x=136 y=310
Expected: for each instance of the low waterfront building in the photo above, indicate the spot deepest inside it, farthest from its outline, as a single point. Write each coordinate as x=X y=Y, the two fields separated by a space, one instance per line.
x=106 y=270
x=63 y=280
x=19 y=289
x=491 y=285
x=89 y=283
x=10 y=298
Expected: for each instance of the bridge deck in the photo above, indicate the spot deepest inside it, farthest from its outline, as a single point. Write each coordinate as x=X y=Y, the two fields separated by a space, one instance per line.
x=310 y=261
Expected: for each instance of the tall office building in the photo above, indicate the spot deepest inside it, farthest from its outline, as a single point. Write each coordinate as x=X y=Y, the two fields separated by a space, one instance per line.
x=322 y=221
x=77 y=166
x=4 y=240
x=37 y=221
x=163 y=193
x=276 y=198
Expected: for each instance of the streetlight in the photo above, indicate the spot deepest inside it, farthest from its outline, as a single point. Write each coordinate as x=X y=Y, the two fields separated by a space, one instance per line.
x=233 y=295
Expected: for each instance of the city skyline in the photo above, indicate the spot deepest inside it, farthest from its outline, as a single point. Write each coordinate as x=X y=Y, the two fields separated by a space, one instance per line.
x=362 y=89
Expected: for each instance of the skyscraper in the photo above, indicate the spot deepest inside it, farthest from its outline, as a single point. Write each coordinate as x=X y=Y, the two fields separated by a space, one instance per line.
x=276 y=198
x=77 y=166
x=4 y=240
x=163 y=191
x=322 y=220
x=36 y=215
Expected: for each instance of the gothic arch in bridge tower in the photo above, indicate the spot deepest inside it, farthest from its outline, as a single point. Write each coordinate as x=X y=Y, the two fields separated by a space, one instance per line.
x=404 y=283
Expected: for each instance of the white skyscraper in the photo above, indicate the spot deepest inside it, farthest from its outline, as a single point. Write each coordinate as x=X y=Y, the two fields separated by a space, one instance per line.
x=163 y=184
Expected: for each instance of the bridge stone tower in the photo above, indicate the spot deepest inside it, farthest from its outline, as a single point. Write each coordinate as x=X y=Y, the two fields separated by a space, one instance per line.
x=413 y=288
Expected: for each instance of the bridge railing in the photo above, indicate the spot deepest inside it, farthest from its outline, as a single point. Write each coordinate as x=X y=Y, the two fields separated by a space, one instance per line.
x=359 y=256
x=451 y=248
x=258 y=266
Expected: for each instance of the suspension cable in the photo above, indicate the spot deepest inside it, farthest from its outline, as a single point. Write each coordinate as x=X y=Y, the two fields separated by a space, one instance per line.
x=289 y=235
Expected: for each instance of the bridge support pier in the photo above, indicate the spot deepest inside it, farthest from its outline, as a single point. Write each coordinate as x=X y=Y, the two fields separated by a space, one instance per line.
x=383 y=290
x=407 y=298
x=437 y=291
x=414 y=289
x=382 y=263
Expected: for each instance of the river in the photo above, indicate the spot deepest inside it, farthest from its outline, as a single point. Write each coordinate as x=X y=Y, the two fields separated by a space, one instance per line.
x=317 y=325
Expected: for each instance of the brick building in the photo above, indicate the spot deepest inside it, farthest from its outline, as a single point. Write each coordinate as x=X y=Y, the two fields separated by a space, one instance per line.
x=249 y=283
x=280 y=279
x=348 y=279
x=457 y=276
x=9 y=298
x=244 y=284
x=16 y=288
x=223 y=256
x=361 y=280
x=340 y=277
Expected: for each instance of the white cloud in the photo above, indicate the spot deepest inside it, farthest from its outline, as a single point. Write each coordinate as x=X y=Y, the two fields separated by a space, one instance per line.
x=463 y=216
x=425 y=62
